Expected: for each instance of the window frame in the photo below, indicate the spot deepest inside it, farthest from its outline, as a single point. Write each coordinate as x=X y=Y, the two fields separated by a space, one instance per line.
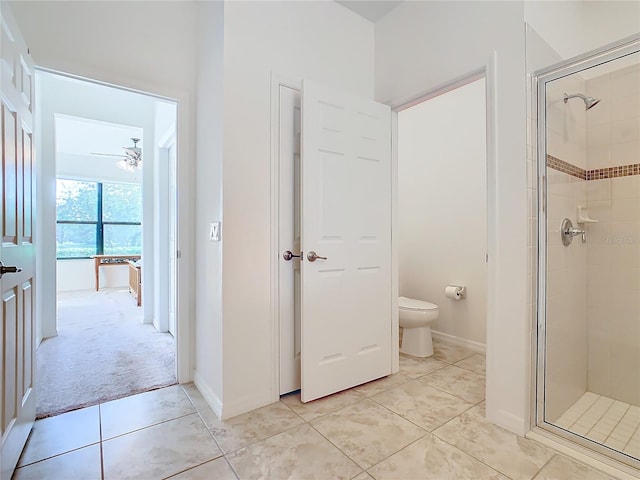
x=99 y=222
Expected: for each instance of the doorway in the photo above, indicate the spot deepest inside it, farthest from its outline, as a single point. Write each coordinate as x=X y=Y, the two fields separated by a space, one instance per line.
x=441 y=224
x=113 y=239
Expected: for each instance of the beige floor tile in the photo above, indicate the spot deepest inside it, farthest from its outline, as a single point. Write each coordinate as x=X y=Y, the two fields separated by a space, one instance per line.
x=514 y=456
x=363 y=476
x=139 y=411
x=446 y=352
x=195 y=396
x=457 y=381
x=422 y=404
x=367 y=432
x=81 y=464
x=218 y=469
x=383 y=384
x=431 y=458
x=63 y=433
x=160 y=450
x=417 y=367
x=322 y=406
x=475 y=363
x=298 y=453
x=560 y=468
x=240 y=431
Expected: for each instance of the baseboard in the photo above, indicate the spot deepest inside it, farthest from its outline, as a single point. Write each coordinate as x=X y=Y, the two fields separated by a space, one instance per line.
x=229 y=409
x=244 y=405
x=507 y=420
x=461 y=342
x=209 y=395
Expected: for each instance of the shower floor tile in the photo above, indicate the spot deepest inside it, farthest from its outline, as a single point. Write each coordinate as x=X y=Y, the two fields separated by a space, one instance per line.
x=604 y=420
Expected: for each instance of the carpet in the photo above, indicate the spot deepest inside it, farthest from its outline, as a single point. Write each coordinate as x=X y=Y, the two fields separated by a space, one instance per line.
x=102 y=352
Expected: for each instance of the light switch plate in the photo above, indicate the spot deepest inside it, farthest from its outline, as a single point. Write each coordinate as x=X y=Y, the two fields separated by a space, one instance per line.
x=214 y=231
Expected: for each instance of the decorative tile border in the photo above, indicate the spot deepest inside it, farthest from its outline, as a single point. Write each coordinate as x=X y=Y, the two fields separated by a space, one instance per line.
x=613 y=172
x=565 y=167
x=595 y=174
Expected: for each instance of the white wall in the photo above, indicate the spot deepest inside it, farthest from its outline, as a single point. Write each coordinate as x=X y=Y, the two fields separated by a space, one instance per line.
x=442 y=207
x=208 y=330
x=576 y=27
x=73 y=275
x=322 y=41
x=95 y=40
x=421 y=46
x=82 y=167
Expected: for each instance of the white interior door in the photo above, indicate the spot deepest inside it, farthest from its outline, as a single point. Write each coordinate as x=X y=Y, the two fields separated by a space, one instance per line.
x=346 y=218
x=16 y=249
x=289 y=238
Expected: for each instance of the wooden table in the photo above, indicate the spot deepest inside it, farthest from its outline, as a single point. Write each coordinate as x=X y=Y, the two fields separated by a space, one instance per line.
x=135 y=281
x=110 y=260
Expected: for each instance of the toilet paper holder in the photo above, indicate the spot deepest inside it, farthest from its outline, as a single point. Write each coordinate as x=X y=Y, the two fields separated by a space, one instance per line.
x=455 y=292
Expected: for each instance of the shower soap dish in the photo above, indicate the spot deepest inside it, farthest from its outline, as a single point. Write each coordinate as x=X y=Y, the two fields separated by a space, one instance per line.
x=583 y=216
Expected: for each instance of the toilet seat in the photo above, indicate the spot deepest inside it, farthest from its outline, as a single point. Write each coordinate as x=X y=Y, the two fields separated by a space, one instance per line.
x=405 y=303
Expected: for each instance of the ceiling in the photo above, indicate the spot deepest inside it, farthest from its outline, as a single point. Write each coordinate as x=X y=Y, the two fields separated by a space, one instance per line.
x=82 y=136
x=371 y=10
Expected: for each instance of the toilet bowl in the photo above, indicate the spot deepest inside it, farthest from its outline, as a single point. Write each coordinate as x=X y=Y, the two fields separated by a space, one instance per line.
x=415 y=318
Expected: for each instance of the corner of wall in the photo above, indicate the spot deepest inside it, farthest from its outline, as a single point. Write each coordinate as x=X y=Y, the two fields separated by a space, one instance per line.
x=208 y=393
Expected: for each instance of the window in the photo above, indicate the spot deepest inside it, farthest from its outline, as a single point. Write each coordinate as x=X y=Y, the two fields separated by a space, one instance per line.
x=95 y=218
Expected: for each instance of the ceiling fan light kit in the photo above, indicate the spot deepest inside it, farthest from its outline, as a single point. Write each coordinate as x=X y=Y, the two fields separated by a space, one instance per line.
x=131 y=160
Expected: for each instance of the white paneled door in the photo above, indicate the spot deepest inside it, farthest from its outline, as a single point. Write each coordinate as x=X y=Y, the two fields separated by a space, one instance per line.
x=17 y=409
x=346 y=240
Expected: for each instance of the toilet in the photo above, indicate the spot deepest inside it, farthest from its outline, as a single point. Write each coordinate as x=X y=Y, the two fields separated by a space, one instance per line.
x=415 y=318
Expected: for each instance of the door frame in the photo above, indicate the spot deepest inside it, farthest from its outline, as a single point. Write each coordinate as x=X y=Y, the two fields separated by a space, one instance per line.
x=489 y=73
x=163 y=267
x=45 y=222
x=277 y=81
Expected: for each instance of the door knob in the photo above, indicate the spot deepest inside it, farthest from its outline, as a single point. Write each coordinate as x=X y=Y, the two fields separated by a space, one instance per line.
x=4 y=269
x=313 y=256
x=288 y=255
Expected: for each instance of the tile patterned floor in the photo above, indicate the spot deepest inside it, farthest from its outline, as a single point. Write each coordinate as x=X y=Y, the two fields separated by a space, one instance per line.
x=610 y=422
x=425 y=422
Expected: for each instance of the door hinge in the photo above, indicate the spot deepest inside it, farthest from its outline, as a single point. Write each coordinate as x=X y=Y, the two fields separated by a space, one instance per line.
x=178 y=254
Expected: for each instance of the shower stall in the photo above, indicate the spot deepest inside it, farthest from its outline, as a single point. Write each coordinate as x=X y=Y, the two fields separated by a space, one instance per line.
x=588 y=278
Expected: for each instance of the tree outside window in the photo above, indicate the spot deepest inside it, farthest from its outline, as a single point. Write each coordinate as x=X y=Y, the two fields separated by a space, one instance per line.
x=95 y=218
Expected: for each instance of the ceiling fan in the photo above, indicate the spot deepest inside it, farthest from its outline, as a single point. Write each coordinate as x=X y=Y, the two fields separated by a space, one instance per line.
x=131 y=160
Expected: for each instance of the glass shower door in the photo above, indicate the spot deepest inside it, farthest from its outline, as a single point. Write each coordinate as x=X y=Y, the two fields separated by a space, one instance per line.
x=589 y=252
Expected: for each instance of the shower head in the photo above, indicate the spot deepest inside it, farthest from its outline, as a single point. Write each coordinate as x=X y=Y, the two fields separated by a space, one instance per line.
x=589 y=102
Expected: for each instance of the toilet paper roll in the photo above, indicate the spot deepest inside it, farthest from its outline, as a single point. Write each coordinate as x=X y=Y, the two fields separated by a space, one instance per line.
x=453 y=291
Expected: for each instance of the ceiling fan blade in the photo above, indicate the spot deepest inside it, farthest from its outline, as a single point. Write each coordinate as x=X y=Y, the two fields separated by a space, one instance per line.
x=108 y=155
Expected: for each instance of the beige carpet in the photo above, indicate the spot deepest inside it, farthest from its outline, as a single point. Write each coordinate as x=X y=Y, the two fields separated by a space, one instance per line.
x=102 y=352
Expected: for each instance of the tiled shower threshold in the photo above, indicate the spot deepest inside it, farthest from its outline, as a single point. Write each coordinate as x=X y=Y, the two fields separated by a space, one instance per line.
x=595 y=416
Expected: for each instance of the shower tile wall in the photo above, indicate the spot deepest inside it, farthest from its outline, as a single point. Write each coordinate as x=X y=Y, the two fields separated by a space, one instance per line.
x=613 y=139
x=566 y=360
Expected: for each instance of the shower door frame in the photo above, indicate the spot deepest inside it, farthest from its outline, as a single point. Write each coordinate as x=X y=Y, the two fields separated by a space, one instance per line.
x=540 y=78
